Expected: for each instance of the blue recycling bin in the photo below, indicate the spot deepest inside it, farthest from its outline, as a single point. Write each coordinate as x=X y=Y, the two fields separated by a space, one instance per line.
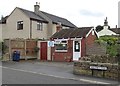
x=16 y=56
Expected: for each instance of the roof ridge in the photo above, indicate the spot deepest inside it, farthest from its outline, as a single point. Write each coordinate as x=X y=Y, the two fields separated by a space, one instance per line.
x=54 y=18
x=24 y=9
x=53 y=15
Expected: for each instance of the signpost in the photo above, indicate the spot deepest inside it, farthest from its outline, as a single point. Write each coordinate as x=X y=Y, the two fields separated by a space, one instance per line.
x=98 y=68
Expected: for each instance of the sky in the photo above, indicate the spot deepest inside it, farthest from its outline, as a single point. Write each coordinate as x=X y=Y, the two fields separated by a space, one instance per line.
x=82 y=13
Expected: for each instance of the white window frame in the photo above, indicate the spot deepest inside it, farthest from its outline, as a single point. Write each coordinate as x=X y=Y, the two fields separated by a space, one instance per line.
x=60 y=42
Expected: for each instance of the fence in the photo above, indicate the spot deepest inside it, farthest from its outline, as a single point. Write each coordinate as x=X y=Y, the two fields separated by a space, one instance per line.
x=25 y=47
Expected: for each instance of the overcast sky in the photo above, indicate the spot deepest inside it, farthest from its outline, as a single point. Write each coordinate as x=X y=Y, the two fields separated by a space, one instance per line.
x=82 y=13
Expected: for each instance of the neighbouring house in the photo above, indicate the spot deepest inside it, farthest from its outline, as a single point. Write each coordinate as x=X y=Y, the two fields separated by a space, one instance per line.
x=0 y=32
x=2 y=22
x=107 y=30
x=26 y=24
x=70 y=44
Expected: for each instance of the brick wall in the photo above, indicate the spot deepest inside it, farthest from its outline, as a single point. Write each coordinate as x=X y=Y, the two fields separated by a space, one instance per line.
x=95 y=49
x=63 y=56
x=86 y=43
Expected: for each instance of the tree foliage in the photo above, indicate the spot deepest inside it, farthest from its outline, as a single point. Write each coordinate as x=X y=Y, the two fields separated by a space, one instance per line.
x=99 y=28
x=111 y=44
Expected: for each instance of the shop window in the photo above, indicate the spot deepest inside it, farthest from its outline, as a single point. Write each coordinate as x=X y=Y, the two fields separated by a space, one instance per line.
x=61 y=46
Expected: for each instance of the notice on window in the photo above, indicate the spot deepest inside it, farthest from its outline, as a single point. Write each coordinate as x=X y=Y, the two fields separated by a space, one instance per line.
x=50 y=43
x=77 y=47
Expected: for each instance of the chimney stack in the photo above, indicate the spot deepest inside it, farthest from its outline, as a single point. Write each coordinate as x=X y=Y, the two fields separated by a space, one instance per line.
x=58 y=27
x=37 y=7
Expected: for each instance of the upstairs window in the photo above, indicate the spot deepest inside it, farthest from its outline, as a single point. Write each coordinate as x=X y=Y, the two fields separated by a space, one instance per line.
x=20 y=25
x=39 y=26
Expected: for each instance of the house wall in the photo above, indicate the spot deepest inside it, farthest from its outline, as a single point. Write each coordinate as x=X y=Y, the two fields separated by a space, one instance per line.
x=54 y=29
x=63 y=56
x=0 y=32
x=10 y=28
x=38 y=33
x=83 y=47
x=88 y=41
x=91 y=39
x=4 y=31
x=106 y=31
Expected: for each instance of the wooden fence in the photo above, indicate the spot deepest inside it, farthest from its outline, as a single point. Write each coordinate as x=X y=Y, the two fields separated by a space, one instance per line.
x=25 y=47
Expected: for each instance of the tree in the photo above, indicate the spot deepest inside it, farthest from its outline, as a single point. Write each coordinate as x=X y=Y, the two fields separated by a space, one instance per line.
x=99 y=28
x=111 y=44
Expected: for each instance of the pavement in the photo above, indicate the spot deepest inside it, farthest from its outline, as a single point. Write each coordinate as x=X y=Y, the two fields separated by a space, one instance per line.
x=61 y=70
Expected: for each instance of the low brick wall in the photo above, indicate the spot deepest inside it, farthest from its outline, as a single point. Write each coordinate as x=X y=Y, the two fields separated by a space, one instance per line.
x=83 y=68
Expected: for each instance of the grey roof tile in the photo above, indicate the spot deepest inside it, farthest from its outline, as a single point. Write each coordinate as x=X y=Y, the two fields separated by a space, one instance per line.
x=72 y=33
x=54 y=18
x=32 y=15
x=57 y=19
x=116 y=30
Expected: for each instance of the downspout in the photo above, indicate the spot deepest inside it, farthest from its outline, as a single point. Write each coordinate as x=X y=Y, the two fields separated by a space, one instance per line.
x=30 y=29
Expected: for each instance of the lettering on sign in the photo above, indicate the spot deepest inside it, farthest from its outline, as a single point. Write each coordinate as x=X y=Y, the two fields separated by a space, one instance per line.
x=98 y=68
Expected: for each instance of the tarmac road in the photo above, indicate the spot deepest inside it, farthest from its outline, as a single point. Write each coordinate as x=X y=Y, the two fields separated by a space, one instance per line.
x=34 y=72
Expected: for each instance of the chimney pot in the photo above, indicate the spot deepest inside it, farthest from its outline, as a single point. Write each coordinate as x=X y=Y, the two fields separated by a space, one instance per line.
x=36 y=7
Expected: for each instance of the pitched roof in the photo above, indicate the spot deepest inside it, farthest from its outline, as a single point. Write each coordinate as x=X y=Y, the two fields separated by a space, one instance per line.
x=116 y=30
x=72 y=33
x=54 y=18
x=32 y=15
x=57 y=19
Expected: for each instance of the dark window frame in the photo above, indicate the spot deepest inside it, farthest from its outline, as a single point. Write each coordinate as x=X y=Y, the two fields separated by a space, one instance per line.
x=40 y=26
x=77 y=46
x=20 y=25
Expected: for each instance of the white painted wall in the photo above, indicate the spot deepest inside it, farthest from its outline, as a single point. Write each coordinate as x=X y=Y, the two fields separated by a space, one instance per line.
x=0 y=32
x=37 y=33
x=10 y=28
x=106 y=31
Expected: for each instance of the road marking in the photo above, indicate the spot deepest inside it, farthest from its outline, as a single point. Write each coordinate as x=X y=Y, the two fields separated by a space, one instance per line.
x=90 y=81
x=84 y=80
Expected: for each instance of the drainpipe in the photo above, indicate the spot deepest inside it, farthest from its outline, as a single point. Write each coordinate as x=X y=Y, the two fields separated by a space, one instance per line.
x=30 y=29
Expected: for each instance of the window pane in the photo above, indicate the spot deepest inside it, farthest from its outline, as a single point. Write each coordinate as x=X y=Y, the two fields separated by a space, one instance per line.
x=39 y=26
x=77 y=46
x=61 y=46
x=20 y=25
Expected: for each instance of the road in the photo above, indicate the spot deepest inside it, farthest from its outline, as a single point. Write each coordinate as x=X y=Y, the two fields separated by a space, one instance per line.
x=11 y=76
x=45 y=73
